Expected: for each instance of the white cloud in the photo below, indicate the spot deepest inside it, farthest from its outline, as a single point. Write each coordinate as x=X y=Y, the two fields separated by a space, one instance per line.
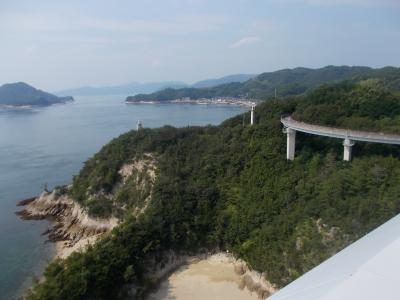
x=155 y=63
x=249 y=40
x=40 y=23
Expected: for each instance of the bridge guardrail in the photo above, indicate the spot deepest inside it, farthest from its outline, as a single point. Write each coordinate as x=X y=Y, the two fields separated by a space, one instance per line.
x=356 y=135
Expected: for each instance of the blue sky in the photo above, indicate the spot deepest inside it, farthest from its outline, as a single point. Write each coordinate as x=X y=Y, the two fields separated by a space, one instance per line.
x=60 y=44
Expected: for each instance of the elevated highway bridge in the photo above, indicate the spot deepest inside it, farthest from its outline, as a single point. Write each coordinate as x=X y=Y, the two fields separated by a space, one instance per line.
x=349 y=136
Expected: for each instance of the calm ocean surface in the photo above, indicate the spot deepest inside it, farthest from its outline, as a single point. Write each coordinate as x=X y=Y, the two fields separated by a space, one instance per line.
x=49 y=145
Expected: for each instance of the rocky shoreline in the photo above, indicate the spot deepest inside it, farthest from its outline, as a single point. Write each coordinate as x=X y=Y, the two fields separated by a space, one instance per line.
x=72 y=228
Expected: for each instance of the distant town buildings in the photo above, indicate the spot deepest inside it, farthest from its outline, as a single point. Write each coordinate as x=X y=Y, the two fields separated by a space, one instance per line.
x=222 y=100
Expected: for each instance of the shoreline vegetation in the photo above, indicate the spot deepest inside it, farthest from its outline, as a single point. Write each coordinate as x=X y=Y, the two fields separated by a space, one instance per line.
x=178 y=192
x=73 y=230
x=20 y=94
x=281 y=83
x=208 y=275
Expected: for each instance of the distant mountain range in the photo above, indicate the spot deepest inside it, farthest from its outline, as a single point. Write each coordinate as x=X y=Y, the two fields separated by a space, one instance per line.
x=22 y=94
x=124 y=89
x=150 y=87
x=227 y=79
x=286 y=82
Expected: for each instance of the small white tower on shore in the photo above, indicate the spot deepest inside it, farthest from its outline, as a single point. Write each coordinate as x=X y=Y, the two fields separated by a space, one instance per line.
x=252 y=115
x=139 y=125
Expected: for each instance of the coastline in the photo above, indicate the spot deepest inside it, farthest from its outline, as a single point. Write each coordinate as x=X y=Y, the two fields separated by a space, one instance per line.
x=63 y=251
x=216 y=101
x=212 y=276
x=31 y=106
x=71 y=228
x=27 y=169
x=177 y=275
x=9 y=106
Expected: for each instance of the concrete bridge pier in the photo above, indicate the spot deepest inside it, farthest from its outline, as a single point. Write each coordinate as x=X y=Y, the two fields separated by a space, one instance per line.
x=348 y=136
x=291 y=143
x=252 y=115
x=347 y=144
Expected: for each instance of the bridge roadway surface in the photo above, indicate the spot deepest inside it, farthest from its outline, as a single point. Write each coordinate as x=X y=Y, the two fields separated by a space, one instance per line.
x=354 y=135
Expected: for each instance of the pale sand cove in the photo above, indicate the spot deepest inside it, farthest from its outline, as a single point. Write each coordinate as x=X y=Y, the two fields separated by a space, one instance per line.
x=218 y=276
x=213 y=278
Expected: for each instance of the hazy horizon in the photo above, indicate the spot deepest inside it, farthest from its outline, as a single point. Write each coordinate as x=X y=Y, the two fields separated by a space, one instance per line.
x=68 y=44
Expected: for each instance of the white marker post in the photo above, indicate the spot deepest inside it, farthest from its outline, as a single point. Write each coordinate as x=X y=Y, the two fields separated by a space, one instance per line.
x=139 y=125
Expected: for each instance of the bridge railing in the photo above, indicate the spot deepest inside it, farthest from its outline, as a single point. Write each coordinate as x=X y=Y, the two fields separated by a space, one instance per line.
x=366 y=136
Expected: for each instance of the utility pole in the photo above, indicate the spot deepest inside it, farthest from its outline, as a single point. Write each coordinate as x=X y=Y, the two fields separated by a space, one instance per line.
x=275 y=93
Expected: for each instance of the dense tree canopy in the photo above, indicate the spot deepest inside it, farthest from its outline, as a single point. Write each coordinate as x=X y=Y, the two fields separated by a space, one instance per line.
x=285 y=82
x=20 y=94
x=230 y=187
x=366 y=105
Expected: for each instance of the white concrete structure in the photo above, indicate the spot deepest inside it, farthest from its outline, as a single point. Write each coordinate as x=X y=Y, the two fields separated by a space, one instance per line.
x=139 y=125
x=252 y=115
x=291 y=143
x=347 y=144
x=349 y=136
x=369 y=269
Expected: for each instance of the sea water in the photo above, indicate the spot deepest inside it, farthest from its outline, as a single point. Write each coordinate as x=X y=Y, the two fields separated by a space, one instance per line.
x=47 y=146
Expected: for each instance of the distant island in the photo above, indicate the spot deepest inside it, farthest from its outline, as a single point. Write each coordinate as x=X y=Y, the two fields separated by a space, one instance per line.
x=286 y=82
x=21 y=94
x=133 y=88
x=122 y=89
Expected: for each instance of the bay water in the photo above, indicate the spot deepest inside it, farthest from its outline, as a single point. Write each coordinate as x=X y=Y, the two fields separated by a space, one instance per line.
x=48 y=145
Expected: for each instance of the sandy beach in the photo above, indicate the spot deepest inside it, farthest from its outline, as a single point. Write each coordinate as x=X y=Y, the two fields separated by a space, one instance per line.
x=213 y=278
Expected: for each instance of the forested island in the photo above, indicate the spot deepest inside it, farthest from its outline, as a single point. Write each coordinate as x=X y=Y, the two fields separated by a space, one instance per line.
x=158 y=194
x=149 y=87
x=287 y=82
x=21 y=94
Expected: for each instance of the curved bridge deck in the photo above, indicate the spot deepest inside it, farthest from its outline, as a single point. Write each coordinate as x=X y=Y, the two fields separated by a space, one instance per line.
x=349 y=136
x=355 y=135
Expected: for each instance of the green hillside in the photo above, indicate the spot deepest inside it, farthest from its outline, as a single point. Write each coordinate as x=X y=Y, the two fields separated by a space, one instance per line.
x=286 y=82
x=230 y=187
x=366 y=105
x=20 y=93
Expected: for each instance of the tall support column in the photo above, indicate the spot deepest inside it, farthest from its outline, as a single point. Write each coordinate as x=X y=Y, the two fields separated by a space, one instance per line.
x=291 y=143
x=252 y=115
x=347 y=144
